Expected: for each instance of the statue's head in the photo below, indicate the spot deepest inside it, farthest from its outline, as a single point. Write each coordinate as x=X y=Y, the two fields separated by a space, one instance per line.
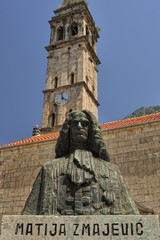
x=81 y=131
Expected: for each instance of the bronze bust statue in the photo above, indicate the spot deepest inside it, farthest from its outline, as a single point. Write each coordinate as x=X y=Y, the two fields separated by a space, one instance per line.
x=81 y=180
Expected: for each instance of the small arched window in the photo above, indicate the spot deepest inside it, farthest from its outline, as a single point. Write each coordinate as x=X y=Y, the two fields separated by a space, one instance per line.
x=72 y=78
x=74 y=29
x=56 y=82
x=87 y=30
x=93 y=41
x=60 y=33
x=53 y=117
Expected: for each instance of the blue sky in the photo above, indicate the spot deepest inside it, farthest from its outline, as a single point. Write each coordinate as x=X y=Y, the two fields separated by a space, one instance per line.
x=129 y=50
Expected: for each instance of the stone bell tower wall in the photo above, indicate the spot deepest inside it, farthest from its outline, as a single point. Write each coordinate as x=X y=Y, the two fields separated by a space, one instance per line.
x=134 y=149
x=72 y=60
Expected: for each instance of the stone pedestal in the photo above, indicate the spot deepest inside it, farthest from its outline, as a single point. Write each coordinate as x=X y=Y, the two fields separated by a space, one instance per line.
x=80 y=227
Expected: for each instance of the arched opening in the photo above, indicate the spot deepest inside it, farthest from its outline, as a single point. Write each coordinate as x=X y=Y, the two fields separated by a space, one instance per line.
x=56 y=82
x=53 y=117
x=74 y=29
x=87 y=30
x=60 y=33
x=72 y=78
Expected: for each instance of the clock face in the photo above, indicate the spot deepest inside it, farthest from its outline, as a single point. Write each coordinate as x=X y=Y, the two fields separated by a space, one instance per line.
x=62 y=98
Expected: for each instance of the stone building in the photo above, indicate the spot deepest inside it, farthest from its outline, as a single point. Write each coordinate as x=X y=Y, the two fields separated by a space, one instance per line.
x=71 y=84
x=71 y=81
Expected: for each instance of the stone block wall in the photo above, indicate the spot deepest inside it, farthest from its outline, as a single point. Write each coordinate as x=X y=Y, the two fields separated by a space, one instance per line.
x=136 y=151
x=19 y=167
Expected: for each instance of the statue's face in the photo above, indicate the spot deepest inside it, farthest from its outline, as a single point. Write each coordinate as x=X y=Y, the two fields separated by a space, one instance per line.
x=79 y=128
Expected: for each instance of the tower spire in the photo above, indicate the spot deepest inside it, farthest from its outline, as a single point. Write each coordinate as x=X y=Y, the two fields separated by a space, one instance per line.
x=70 y=2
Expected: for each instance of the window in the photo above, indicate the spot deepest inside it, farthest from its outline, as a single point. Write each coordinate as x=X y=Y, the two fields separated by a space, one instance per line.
x=87 y=31
x=53 y=117
x=60 y=34
x=72 y=78
x=74 y=29
x=56 y=82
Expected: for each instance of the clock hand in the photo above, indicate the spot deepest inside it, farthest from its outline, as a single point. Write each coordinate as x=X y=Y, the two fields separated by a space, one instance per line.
x=62 y=96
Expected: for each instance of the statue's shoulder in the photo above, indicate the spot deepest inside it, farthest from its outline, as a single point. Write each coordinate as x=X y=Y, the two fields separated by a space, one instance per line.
x=55 y=162
x=112 y=166
x=105 y=164
x=105 y=169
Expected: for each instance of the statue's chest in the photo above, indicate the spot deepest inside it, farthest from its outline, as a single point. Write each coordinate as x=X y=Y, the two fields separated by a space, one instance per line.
x=74 y=200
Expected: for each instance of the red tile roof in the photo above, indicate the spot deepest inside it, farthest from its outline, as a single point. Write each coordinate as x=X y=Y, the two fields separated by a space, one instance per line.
x=39 y=138
x=132 y=121
x=110 y=125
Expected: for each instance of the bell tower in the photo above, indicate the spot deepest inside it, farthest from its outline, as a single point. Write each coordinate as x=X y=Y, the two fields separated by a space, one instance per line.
x=71 y=78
